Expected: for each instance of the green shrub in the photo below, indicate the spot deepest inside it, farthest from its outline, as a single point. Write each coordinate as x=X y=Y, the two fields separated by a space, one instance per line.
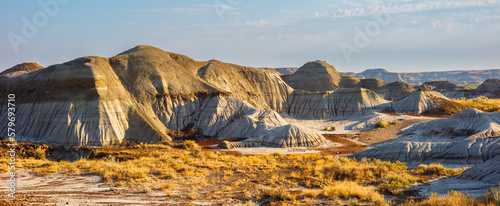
x=381 y=124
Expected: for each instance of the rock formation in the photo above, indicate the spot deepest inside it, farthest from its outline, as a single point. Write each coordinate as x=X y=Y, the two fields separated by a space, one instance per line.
x=439 y=86
x=371 y=84
x=21 y=69
x=468 y=138
x=464 y=77
x=395 y=90
x=490 y=85
x=349 y=82
x=425 y=101
x=145 y=93
x=315 y=76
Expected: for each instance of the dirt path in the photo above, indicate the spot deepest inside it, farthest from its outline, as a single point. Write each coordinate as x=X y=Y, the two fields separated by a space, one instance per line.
x=383 y=134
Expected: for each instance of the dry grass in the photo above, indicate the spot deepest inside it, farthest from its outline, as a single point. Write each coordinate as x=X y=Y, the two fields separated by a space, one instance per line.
x=381 y=124
x=194 y=173
x=436 y=169
x=481 y=103
x=453 y=198
x=349 y=190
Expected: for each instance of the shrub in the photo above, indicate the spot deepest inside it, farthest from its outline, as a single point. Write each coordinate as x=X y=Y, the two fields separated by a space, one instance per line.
x=493 y=196
x=436 y=169
x=348 y=189
x=332 y=128
x=453 y=198
x=450 y=111
x=39 y=153
x=381 y=124
x=189 y=144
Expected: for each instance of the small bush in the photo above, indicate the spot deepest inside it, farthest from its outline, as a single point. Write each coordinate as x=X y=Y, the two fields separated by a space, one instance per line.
x=189 y=144
x=332 y=128
x=453 y=198
x=39 y=153
x=450 y=111
x=381 y=124
x=348 y=189
x=436 y=169
x=493 y=196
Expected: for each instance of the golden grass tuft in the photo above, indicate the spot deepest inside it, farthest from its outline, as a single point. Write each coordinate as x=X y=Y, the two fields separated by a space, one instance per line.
x=381 y=124
x=482 y=103
x=349 y=190
x=436 y=169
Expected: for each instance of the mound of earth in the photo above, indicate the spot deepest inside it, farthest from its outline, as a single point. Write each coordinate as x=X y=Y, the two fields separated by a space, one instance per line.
x=490 y=85
x=428 y=101
x=21 y=69
x=315 y=76
x=371 y=84
x=439 y=86
x=342 y=103
x=469 y=122
x=395 y=90
x=349 y=82
x=468 y=138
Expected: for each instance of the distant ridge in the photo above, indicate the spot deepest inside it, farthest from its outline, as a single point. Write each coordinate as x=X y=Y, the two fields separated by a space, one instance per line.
x=462 y=77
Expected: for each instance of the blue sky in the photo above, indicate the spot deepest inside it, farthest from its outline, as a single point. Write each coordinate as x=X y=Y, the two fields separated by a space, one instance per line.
x=401 y=36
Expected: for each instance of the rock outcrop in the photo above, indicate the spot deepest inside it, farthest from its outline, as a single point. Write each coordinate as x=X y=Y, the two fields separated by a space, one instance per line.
x=371 y=84
x=439 y=86
x=349 y=82
x=395 y=90
x=315 y=76
x=422 y=101
x=488 y=172
x=490 y=85
x=21 y=69
x=468 y=138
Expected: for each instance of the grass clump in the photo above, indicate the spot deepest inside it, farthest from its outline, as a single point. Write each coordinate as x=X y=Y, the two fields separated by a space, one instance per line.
x=492 y=196
x=453 y=198
x=349 y=190
x=189 y=144
x=436 y=169
x=332 y=128
x=381 y=124
x=482 y=103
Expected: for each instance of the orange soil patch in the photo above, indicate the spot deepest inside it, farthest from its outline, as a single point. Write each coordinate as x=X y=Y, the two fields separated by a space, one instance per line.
x=348 y=148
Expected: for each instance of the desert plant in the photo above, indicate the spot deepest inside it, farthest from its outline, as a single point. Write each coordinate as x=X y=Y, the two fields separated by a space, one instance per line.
x=39 y=153
x=450 y=111
x=436 y=169
x=381 y=124
x=189 y=144
x=493 y=196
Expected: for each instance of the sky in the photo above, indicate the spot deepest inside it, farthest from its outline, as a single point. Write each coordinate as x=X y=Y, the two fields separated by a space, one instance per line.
x=399 y=35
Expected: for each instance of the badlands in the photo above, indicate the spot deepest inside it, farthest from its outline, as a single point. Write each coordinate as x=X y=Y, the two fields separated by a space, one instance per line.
x=101 y=109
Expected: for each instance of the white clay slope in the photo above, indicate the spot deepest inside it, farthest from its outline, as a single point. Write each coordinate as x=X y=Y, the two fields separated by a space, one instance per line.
x=468 y=138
